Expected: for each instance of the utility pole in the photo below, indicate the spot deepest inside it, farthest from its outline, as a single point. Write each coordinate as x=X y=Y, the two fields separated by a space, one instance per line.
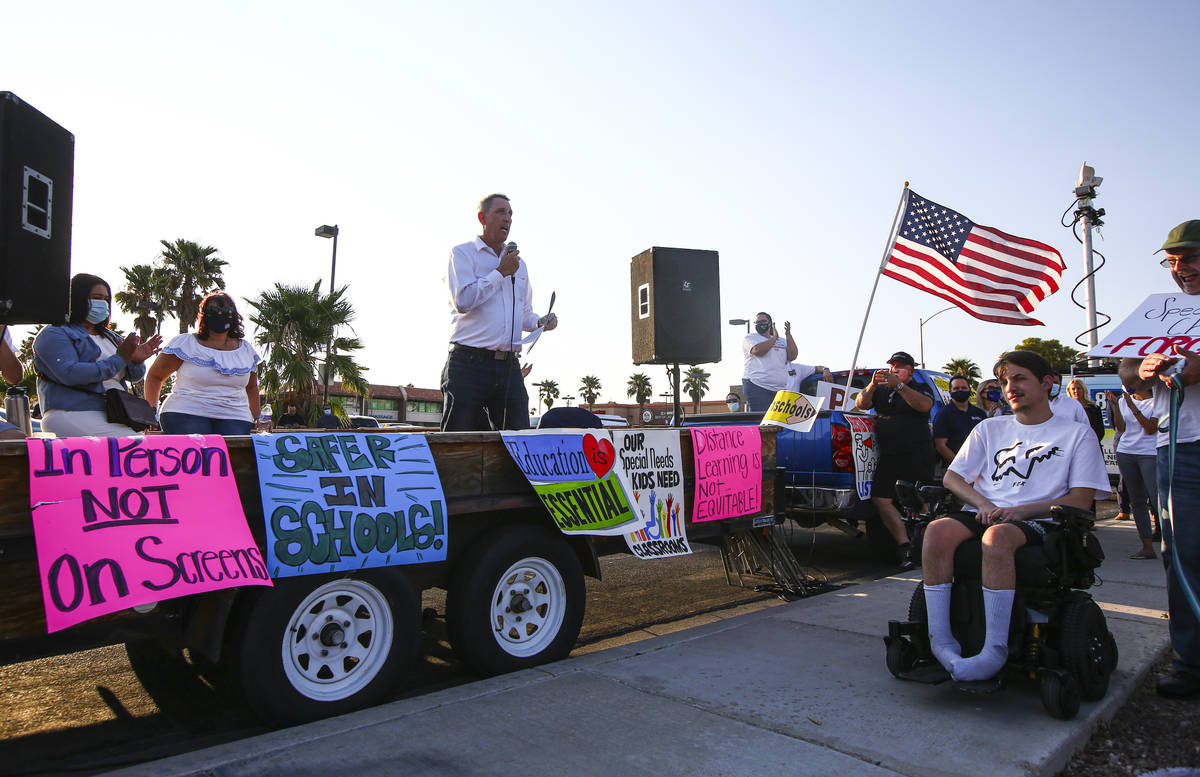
x=1085 y=192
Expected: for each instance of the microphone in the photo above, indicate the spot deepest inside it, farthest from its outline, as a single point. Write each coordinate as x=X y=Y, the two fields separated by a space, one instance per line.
x=511 y=248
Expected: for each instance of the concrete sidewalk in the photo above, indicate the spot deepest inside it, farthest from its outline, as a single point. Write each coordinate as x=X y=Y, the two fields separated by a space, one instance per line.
x=798 y=689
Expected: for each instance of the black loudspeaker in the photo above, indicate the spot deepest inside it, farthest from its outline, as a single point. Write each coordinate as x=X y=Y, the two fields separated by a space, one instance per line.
x=676 y=306
x=37 y=169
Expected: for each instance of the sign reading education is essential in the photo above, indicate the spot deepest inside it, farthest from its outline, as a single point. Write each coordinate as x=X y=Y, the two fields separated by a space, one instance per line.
x=794 y=411
x=342 y=501
x=574 y=474
x=866 y=455
x=124 y=521
x=1159 y=324
x=651 y=467
x=728 y=466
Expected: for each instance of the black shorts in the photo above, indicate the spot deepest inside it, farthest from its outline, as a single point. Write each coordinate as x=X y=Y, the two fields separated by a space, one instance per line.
x=1034 y=531
x=912 y=466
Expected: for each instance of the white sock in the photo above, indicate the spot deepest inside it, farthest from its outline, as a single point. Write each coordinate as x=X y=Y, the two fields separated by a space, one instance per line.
x=937 y=611
x=997 y=604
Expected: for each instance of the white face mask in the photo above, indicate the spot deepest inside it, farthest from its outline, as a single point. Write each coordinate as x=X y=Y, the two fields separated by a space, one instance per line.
x=733 y=406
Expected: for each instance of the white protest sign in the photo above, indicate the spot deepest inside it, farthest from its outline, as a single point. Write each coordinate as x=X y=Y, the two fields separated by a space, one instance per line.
x=866 y=455
x=651 y=468
x=834 y=396
x=790 y=410
x=1157 y=325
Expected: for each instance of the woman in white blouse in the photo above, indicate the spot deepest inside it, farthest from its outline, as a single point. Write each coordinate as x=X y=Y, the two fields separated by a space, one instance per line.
x=216 y=386
x=1136 y=449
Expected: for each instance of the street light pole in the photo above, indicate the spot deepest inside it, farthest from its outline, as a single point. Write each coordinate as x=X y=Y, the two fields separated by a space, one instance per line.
x=327 y=231
x=921 y=333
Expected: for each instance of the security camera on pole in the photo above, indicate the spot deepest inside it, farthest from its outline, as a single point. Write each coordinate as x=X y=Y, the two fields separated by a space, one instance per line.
x=1085 y=192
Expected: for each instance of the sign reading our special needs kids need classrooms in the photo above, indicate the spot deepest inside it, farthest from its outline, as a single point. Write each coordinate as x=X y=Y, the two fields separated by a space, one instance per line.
x=728 y=465
x=336 y=502
x=1159 y=324
x=651 y=466
x=574 y=475
x=124 y=521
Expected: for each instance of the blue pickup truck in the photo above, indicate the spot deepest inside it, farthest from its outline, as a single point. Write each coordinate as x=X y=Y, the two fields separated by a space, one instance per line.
x=820 y=464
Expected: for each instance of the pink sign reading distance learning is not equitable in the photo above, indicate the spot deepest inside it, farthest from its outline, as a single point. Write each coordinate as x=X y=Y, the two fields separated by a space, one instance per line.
x=728 y=464
x=124 y=521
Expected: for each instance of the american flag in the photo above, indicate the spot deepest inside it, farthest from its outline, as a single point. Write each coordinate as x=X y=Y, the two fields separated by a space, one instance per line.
x=990 y=274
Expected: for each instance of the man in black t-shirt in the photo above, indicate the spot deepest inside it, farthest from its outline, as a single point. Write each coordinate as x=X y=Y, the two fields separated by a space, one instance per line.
x=902 y=437
x=956 y=420
x=291 y=419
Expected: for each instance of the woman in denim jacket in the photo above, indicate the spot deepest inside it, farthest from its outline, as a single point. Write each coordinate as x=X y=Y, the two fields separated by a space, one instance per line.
x=78 y=361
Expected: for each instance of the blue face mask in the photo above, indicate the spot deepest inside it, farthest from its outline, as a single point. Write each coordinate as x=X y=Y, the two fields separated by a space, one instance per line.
x=97 y=311
x=1054 y=390
x=992 y=395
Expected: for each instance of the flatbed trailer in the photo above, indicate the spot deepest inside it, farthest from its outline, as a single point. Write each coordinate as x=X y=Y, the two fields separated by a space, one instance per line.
x=324 y=644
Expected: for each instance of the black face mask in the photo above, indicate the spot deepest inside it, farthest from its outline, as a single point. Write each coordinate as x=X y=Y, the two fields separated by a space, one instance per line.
x=219 y=320
x=960 y=396
x=762 y=329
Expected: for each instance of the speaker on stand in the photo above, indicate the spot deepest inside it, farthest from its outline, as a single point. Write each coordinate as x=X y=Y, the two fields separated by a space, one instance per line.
x=676 y=310
x=37 y=168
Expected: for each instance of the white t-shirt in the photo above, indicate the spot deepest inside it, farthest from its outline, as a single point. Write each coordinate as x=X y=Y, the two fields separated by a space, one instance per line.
x=1064 y=406
x=797 y=373
x=211 y=383
x=107 y=349
x=769 y=371
x=1189 y=413
x=1134 y=439
x=1013 y=464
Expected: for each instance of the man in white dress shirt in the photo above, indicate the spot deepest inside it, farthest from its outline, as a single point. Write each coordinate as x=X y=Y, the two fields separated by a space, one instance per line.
x=490 y=307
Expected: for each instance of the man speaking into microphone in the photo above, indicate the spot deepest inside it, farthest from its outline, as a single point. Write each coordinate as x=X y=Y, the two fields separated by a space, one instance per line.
x=490 y=307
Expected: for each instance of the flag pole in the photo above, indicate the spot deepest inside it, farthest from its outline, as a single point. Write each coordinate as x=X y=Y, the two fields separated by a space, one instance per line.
x=887 y=251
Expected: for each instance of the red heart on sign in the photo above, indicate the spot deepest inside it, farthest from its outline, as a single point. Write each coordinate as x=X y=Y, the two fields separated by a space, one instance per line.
x=600 y=455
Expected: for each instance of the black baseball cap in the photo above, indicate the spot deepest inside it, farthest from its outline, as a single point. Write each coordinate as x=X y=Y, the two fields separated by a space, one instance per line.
x=902 y=358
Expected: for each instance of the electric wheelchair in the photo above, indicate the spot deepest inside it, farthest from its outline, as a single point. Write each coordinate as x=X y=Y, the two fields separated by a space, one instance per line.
x=1057 y=634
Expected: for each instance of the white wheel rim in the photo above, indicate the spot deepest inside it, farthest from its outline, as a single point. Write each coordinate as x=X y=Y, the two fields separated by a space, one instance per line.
x=337 y=640
x=528 y=606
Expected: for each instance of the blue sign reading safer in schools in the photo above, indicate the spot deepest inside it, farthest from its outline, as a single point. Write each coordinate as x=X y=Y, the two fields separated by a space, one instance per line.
x=338 y=502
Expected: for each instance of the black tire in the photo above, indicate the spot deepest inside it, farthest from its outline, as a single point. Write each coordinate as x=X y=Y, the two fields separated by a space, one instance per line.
x=1086 y=647
x=916 y=605
x=516 y=600
x=368 y=624
x=901 y=656
x=1060 y=694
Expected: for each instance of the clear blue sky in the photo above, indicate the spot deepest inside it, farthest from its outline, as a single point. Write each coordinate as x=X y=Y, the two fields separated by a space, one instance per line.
x=779 y=134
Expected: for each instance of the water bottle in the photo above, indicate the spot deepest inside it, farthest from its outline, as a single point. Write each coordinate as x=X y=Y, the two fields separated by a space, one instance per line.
x=265 y=416
x=16 y=407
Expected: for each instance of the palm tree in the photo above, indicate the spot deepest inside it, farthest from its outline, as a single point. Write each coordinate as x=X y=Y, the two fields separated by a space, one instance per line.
x=294 y=325
x=143 y=283
x=189 y=271
x=547 y=392
x=639 y=388
x=965 y=367
x=695 y=384
x=589 y=389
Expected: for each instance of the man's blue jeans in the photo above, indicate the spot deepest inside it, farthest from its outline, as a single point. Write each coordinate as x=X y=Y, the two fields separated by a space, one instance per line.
x=1184 y=536
x=473 y=383
x=758 y=399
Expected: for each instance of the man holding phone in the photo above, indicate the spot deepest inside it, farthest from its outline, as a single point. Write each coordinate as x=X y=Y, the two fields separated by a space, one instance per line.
x=767 y=356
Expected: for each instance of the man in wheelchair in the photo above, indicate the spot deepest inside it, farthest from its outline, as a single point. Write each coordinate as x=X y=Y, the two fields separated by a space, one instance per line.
x=1008 y=474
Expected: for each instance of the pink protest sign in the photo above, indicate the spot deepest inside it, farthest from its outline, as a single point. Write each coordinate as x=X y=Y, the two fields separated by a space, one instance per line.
x=123 y=521
x=728 y=462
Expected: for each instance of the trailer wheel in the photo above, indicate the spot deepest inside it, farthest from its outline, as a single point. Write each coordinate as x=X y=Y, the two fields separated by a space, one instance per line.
x=324 y=645
x=516 y=600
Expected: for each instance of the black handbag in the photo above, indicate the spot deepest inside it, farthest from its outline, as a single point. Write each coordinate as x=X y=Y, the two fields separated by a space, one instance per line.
x=124 y=408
